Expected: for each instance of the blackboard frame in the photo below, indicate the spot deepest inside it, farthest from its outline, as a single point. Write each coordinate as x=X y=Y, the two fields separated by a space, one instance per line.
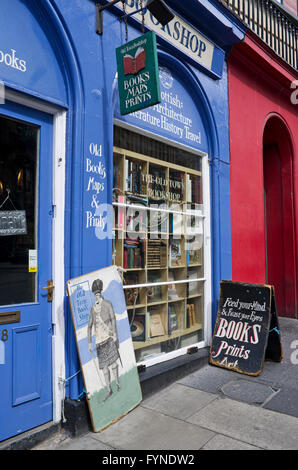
x=246 y=330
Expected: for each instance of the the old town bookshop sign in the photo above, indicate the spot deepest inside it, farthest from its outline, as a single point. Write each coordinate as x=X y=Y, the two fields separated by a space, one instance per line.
x=246 y=330
x=138 y=77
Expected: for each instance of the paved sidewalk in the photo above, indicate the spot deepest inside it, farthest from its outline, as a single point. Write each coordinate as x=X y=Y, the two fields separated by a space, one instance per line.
x=211 y=409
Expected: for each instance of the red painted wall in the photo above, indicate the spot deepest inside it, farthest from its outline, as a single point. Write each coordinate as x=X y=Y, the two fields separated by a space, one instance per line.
x=290 y=5
x=259 y=88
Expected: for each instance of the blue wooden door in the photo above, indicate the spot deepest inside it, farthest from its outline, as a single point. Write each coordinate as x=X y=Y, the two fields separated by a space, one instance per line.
x=26 y=156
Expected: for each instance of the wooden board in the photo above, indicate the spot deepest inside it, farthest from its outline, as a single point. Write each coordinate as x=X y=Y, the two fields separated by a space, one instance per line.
x=104 y=345
x=246 y=328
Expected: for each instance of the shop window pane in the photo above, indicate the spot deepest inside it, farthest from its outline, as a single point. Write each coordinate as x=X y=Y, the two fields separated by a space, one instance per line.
x=158 y=240
x=18 y=214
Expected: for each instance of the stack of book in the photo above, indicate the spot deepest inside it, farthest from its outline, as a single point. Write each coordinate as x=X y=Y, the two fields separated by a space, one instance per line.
x=156 y=254
x=133 y=254
x=190 y=315
x=133 y=176
x=176 y=186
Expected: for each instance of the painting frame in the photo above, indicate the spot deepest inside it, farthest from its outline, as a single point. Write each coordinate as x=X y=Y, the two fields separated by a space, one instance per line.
x=104 y=344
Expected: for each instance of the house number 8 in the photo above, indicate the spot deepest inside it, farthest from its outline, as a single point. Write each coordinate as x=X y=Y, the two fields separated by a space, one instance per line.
x=4 y=335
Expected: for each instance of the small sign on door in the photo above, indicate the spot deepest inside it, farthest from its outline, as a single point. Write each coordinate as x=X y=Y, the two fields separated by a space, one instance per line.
x=32 y=261
x=13 y=223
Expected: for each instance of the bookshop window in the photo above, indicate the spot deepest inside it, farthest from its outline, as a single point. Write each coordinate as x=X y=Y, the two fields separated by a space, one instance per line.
x=158 y=240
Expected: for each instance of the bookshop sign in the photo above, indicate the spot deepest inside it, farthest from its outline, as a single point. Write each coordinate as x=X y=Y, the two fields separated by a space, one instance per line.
x=180 y=34
x=138 y=77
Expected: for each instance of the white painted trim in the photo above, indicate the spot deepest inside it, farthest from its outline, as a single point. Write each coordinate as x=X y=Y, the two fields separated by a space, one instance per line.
x=31 y=102
x=171 y=355
x=58 y=338
x=164 y=283
x=207 y=251
x=58 y=262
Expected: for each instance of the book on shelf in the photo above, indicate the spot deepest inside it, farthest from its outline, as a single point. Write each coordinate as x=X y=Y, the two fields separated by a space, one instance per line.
x=154 y=293
x=188 y=188
x=137 y=200
x=138 y=328
x=172 y=292
x=133 y=176
x=157 y=183
x=116 y=175
x=133 y=253
x=190 y=315
x=196 y=189
x=193 y=257
x=172 y=319
x=156 y=254
x=177 y=226
x=175 y=257
x=120 y=212
x=176 y=186
x=193 y=286
x=131 y=294
x=156 y=325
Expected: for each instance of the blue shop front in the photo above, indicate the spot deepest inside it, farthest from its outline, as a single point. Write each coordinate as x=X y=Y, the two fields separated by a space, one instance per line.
x=83 y=186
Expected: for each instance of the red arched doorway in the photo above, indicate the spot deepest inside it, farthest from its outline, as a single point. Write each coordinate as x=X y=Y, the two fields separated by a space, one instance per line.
x=280 y=216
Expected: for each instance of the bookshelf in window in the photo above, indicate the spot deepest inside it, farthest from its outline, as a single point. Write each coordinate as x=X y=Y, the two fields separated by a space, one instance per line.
x=163 y=265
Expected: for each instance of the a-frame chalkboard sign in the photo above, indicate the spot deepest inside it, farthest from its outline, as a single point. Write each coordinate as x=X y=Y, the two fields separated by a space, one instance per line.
x=246 y=330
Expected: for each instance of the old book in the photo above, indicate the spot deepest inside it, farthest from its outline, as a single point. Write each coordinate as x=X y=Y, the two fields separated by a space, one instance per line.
x=131 y=294
x=138 y=328
x=175 y=252
x=154 y=293
x=172 y=319
x=193 y=286
x=190 y=315
x=156 y=326
x=172 y=292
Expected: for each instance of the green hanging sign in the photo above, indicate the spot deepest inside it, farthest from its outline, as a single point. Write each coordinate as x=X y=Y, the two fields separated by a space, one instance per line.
x=138 y=77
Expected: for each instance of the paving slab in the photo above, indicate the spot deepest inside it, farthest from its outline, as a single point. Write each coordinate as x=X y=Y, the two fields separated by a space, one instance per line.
x=281 y=378
x=250 y=424
x=145 y=429
x=286 y=401
x=87 y=442
x=179 y=401
x=220 y=442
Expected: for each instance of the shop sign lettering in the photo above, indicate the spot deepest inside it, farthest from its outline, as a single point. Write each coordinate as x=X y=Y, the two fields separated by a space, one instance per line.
x=96 y=176
x=246 y=330
x=185 y=38
x=11 y=59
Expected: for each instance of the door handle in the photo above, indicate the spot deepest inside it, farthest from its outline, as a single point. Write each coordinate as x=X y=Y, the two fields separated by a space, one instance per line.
x=50 y=287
